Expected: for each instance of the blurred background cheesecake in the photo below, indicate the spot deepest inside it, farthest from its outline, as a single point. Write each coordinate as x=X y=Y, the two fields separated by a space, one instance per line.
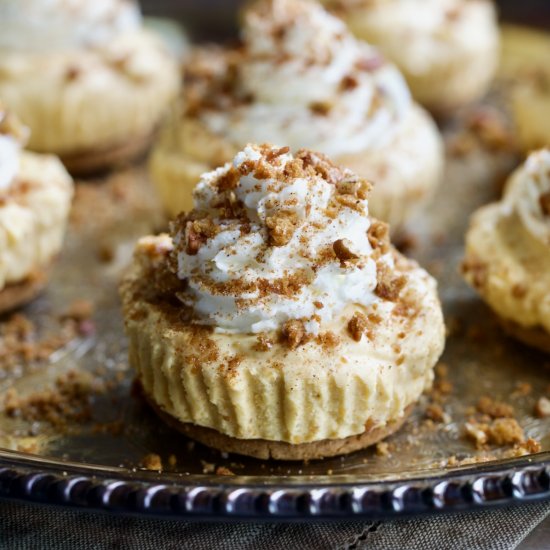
x=218 y=18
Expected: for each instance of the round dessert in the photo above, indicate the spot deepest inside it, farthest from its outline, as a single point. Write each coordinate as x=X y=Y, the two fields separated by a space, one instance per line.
x=508 y=253
x=276 y=319
x=90 y=82
x=35 y=198
x=531 y=108
x=302 y=79
x=448 y=50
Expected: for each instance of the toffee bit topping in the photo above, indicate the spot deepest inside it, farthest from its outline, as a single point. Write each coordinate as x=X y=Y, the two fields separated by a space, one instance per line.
x=72 y=73
x=281 y=228
x=197 y=232
x=348 y=83
x=294 y=333
x=379 y=236
x=274 y=153
x=321 y=108
x=350 y=202
x=229 y=180
x=321 y=165
x=388 y=287
x=544 y=202
x=343 y=250
x=328 y=340
x=356 y=187
x=357 y=326
x=263 y=343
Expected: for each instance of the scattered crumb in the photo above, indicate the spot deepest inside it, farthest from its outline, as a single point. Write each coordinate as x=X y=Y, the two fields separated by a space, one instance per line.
x=506 y=431
x=383 y=449
x=172 y=461
x=436 y=413
x=152 y=461
x=524 y=448
x=106 y=253
x=495 y=409
x=294 y=333
x=542 y=407
x=442 y=370
x=114 y=428
x=20 y=342
x=223 y=471
x=476 y=433
x=500 y=432
x=69 y=401
x=79 y=310
x=491 y=129
x=522 y=389
x=208 y=467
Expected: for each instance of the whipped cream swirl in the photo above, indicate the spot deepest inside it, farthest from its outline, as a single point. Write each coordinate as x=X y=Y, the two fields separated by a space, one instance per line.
x=13 y=135
x=306 y=81
x=529 y=195
x=46 y=25
x=275 y=237
x=9 y=160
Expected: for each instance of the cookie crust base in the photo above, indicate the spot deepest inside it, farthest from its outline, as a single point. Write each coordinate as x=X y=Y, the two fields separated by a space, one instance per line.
x=18 y=294
x=535 y=337
x=100 y=159
x=280 y=450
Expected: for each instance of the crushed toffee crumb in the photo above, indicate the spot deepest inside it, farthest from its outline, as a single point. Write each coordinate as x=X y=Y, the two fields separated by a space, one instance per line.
x=223 y=471
x=321 y=108
x=274 y=153
x=356 y=187
x=328 y=340
x=68 y=402
x=383 y=449
x=357 y=326
x=499 y=432
x=263 y=343
x=495 y=409
x=152 y=462
x=294 y=333
x=281 y=227
x=388 y=287
x=342 y=249
x=506 y=431
x=436 y=413
x=379 y=236
x=21 y=344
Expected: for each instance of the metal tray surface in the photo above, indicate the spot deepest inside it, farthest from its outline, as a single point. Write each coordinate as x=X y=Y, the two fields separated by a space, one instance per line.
x=94 y=461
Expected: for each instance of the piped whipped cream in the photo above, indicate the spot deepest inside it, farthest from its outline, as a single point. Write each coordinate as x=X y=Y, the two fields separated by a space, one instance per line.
x=421 y=32
x=9 y=160
x=13 y=135
x=529 y=195
x=275 y=237
x=45 y=25
x=306 y=81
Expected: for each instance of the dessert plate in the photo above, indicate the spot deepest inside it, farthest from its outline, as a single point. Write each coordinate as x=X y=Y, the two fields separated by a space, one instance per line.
x=75 y=432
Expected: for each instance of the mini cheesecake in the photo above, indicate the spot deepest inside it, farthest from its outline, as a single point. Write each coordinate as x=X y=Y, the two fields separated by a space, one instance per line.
x=508 y=253
x=86 y=77
x=276 y=319
x=302 y=79
x=448 y=50
x=35 y=198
